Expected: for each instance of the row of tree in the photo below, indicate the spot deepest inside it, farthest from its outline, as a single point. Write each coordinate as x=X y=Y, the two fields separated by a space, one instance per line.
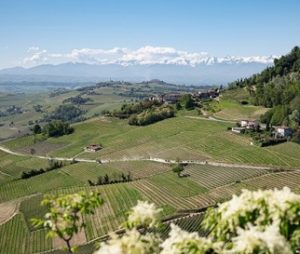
x=106 y=179
x=52 y=165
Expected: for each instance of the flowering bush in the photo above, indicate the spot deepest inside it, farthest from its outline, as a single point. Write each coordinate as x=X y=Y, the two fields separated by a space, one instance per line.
x=132 y=242
x=143 y=214
x=259 y=210
x=260 y=222
x=180 y=241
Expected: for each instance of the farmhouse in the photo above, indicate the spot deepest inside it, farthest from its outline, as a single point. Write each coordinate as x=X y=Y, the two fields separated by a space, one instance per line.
x=92 y=148
x=249 y=124
x=283 y=131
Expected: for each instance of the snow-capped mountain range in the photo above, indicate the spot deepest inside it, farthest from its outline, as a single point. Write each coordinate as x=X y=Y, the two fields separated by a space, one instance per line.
x=145 y=63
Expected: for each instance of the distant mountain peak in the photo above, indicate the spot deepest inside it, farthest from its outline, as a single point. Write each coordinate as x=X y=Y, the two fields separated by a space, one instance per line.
x=211 y=71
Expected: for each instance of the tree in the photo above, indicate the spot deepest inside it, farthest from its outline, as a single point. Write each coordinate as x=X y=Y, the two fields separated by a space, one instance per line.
x=32 y=151
x=65 y=214
x=37 y=129
x=178 y=168
x=187 y=101
x=57 y=128
x=178 y=106
x=295 y=118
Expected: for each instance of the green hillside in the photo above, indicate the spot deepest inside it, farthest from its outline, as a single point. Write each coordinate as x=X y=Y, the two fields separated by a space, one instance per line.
x=277 y=87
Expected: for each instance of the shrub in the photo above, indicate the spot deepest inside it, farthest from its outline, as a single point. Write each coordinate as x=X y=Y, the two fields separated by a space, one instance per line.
x=57 y=128
x=152 y=116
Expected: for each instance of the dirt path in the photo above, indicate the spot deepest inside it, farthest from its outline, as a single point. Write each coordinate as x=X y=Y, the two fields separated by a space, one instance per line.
x=8 y=210
x=210 y=118
x=5 y=174
x=154 y=159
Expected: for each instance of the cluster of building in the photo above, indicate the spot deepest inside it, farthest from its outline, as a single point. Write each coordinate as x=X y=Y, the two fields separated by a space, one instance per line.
x=210 y=94
x=246 y=125
x=254 y=125
x=173 y=98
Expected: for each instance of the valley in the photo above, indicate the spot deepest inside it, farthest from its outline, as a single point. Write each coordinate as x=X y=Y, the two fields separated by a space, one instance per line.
x=218 y=164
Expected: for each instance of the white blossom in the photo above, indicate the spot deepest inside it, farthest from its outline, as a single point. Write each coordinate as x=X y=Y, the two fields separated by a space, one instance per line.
x=253 y=240
x=180 y=242
x=144 y=214
x=132 y=242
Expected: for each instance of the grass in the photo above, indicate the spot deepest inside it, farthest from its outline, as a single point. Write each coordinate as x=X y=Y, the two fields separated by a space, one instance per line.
x=229 y=106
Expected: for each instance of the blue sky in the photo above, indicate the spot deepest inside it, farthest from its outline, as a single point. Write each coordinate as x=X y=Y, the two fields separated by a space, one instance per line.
x=219 y=27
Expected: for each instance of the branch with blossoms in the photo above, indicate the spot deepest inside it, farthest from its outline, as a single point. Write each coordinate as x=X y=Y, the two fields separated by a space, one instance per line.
x=260 y=222
x=65 y=214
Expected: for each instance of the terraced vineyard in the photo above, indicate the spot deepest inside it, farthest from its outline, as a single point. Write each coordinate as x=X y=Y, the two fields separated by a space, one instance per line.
x=16 y=238
x=138 y=169
x=178 y=137
x=165 y=189
x=12 y=166
x=38 y=184
x=212 y=177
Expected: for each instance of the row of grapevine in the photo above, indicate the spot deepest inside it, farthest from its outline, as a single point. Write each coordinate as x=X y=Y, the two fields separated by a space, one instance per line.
x=212 y=177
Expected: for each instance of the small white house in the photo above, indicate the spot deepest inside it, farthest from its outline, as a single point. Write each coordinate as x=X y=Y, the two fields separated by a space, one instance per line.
x=238 y=129
x=283 y=131
x=244 y=123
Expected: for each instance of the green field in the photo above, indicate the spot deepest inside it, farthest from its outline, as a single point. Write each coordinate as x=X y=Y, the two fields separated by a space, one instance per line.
x=180 y=137
x=229 y=106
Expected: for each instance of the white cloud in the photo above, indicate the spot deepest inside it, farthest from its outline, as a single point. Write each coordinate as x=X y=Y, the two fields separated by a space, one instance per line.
x=37 y=56
x=33 y=49
x=143 y=55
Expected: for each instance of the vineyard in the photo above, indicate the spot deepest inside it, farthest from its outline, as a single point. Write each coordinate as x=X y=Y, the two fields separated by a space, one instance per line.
x=212 y=177
x=178 y=137
x=138 y=169
x=14 y=165
x=165 y=189
x=17 y=239
x=38 y=184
